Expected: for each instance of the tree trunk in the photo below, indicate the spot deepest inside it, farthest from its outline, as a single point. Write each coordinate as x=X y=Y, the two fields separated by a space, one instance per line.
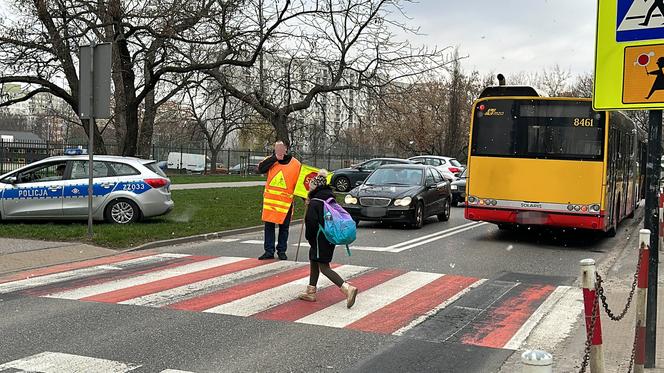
x=280 y=123
x=100 y=146
x=147 y=126
x=214 y=153
x=131 y=136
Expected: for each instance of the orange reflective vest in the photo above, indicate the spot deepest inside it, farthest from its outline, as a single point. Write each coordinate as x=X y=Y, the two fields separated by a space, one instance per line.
x=279 y=188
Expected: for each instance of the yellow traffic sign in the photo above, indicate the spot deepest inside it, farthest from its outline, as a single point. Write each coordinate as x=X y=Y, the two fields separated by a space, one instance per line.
x=629 y=43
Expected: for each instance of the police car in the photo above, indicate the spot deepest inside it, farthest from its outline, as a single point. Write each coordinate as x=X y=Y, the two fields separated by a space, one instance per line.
x=125 y=189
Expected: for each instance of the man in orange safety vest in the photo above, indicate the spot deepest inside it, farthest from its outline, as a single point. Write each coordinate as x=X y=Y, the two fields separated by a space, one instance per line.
x=282 y=171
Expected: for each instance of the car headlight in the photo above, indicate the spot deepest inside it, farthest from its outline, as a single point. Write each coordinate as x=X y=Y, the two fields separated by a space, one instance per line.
x=455 y=187
x=350 y=200
x=403 y=201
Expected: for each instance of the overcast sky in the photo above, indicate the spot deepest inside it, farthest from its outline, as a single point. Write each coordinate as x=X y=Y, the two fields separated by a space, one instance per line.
x=507 y=36
x=511 y=36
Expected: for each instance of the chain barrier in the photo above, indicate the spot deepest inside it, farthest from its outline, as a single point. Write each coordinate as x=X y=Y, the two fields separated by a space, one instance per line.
x=602 y=296
x=599 y=294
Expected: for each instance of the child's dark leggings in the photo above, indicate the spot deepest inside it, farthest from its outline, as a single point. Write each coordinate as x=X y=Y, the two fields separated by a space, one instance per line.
x=327 y=271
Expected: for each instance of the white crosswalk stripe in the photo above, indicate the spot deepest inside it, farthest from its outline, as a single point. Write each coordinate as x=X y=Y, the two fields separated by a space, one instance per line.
x=57 y=362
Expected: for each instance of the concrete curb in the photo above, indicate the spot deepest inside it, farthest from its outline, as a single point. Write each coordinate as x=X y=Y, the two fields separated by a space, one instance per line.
x=198 y=238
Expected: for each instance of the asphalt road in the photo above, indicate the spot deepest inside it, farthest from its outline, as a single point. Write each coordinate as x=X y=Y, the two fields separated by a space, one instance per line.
x=407 y=317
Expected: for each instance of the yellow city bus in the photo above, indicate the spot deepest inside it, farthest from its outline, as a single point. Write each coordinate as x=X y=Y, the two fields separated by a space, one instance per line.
x=552 y=162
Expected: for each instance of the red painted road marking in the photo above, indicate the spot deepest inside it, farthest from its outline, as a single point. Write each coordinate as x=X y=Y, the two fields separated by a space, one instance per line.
x=240 y=291
x=140 y=269
x=503 y=321
x=122 y=295
x=76 y=265
x=400 y=313
x=297 y=309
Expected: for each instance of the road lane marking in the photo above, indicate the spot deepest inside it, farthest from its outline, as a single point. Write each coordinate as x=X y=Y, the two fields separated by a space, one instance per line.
x=420 y=238
x=195 y=286
x=436 y=238
x=337 y=315
x=352 y=247
x=8 y=287
x=57 y=362
x=267 y=299
x=253 y=242
x=89 y=291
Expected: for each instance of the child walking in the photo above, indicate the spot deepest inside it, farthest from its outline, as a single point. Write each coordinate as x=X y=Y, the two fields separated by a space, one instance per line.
x=321 y=250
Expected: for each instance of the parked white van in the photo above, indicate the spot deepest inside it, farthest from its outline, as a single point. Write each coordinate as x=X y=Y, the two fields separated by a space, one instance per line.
x=187 y=161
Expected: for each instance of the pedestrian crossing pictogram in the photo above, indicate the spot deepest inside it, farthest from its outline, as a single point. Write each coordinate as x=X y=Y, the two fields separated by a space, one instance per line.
x=278 y=181
x=640 y=20
x=391 y=301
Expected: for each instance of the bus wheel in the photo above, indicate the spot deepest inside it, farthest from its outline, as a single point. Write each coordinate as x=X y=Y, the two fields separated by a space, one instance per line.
x=611 y=232
x=506 y=227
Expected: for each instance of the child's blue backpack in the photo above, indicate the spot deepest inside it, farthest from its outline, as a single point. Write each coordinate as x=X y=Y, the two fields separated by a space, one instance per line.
x=339 y=228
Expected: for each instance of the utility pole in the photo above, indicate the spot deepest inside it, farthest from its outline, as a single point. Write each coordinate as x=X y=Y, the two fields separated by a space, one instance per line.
x=653 y=165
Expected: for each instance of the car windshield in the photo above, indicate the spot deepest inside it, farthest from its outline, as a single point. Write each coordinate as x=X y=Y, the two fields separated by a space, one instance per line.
x=455 y=163
x=395 y=176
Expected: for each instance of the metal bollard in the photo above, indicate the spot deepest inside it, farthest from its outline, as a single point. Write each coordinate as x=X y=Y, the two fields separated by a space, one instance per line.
x=536 y=361
x=641 y=293
x=589 y=298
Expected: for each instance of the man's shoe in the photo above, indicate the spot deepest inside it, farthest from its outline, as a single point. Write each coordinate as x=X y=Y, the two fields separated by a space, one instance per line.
x=282 y=256
x=266 y=256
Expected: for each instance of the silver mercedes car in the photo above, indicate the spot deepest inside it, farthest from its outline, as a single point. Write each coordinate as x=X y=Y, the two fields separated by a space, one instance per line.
x=125 y=190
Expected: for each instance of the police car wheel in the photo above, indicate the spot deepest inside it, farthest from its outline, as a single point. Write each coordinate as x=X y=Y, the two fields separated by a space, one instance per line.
x=122 y=211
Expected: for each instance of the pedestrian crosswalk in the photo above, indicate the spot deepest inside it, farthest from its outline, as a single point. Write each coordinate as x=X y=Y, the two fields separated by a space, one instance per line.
x=391 y=301
x=57 y=362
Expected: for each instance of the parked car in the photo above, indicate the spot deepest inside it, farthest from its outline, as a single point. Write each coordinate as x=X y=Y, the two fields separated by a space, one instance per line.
x=447 y=165
x=459 y=189
x=406 y=193
x=345 y=179
x=125 y=190
x=241 y=169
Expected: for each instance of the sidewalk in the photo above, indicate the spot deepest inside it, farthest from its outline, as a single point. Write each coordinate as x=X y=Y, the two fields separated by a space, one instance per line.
x=238 y=184
x=19 y=255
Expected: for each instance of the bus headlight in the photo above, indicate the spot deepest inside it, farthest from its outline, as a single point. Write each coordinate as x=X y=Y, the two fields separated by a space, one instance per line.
x=350 y=200
x=403 y=201
x=594 y=208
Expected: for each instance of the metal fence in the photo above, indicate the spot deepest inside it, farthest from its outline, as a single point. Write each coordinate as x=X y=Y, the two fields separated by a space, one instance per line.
x=15 y=154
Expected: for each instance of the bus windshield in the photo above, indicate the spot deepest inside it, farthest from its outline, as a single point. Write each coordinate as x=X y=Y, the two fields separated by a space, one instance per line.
x=538 y=128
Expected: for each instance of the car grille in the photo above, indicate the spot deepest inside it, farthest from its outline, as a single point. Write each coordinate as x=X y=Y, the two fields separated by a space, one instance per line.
x=375 y=202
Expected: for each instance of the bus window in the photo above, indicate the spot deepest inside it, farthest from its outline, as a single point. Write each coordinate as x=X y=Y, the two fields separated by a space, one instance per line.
x=538 y=129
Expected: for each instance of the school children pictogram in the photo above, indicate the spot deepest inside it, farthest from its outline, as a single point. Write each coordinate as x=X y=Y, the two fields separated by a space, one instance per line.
x=643 y=80
x=640 y=20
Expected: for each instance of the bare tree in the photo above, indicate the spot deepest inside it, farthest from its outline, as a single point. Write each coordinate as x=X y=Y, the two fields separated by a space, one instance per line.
x=217 y=115
x=312 y=48
x=39 y=49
